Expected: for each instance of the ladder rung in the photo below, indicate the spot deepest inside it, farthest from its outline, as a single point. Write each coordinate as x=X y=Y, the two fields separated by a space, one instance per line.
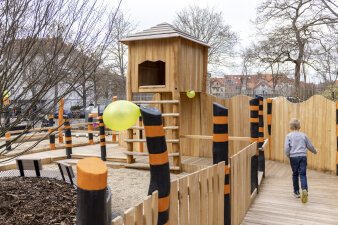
x=157 y=102
x=144 y=140
x=170 y=114
x=165 y=128
x=146 y=154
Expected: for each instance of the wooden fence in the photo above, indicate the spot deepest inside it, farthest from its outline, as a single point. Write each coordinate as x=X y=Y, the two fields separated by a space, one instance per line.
x=194 y=199
x=317 y=117
x=240 y=180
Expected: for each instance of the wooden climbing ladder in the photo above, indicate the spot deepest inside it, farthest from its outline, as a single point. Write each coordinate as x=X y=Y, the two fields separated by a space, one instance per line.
x=170 y=116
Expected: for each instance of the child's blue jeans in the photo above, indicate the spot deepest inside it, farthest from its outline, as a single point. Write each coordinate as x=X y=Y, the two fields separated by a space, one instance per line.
x=298 y=165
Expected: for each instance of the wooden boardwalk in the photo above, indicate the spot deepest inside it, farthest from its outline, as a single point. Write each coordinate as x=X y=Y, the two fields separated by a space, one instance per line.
x=275 y=203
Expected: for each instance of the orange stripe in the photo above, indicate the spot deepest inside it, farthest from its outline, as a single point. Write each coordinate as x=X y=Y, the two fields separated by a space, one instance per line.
x=102 y=136
x=167 y=223
x=227 y=189
x=260 y=112
x=261 y=102
x=254 y=108
x=91 y=142
x=163 y=204
x=336 y=105
x=254 y=120
x=260 y=129
x=252 y=140
x=220 y=120
x=337 y=158
x=158 y=159
x=220 y=137
x=7 y=135
x=227 y=170
x=51 y=117
x=337 y=129
x=257 y=152
x=91 y=174
x=101 y=124
x=69 y=145
x=52 y=146
x=68 y=138
x=50 y=130
x=260 y=139
x=67 y=127
x=102 y=143
x=90 y=127
x=269 y=118
x=154 y=131
x=269 y=100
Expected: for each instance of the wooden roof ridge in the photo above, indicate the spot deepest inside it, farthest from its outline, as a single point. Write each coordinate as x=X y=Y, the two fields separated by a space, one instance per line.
x=162 y=30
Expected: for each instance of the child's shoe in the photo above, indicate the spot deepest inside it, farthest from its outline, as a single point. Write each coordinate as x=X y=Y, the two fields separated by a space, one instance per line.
x=304 y=196
x=296 y=194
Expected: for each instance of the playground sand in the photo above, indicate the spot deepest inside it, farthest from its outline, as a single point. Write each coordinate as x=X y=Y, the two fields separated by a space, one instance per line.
x=129 y=187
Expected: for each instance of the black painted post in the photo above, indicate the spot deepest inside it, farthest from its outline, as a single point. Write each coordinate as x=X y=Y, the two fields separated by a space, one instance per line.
x=220 y=150
x=90 y=129
x=261 y=156
x=102 y=138
x=158 y=160
x=68 y=138
x=254 y=124
x=51 y=136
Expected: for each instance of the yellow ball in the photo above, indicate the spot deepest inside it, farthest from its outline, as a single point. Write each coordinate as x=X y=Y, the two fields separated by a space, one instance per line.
x=121 y=115
x=191 y=94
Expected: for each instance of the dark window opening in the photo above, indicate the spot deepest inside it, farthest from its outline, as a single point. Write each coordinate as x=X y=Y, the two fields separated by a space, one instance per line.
x=151 y=73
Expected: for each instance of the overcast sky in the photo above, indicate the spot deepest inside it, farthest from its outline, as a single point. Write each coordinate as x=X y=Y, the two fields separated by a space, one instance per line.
x=236 y=13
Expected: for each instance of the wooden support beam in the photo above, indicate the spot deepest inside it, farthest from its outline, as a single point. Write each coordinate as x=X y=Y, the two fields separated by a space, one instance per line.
x=207 y=137
x=157 y=102
x=165 y=128
x=144 y=140
x=146 y=154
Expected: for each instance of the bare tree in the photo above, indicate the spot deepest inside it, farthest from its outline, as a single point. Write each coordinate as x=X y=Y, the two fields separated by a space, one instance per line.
x=206 y=24
x=293 y=29
x=123 y=26
x=35 y=66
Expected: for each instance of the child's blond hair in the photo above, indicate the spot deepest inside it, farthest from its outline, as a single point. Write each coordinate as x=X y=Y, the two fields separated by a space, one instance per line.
x=294 y=124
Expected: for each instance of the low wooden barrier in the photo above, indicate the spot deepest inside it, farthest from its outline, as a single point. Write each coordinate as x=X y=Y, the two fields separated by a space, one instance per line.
x=240 y=180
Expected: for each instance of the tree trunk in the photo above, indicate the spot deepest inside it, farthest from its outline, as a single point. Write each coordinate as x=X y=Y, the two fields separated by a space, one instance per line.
x=297 y=79
x=84 y=97
x=56 y=94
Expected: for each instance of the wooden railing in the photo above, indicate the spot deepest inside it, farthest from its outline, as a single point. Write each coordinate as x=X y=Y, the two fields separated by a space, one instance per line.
x=240 y=180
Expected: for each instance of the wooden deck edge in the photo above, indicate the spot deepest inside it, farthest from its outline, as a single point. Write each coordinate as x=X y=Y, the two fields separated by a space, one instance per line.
x=260 y=178
x=253 y=196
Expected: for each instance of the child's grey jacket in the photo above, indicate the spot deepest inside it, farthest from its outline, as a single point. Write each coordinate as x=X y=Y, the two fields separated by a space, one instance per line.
x=296 y=144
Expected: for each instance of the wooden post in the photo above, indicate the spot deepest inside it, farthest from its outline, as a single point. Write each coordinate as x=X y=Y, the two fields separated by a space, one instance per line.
x=90 y=128
x=91 y=192
x=51 y=136
x=68 y=137
x=130 y=158
x=114 y=135
x=60 y=119
x=254 y=133
x=140 y=123
x=8 y=143
x=102 y=138
x=220 y=150
x=261 y=157
x=158 y=160
x=269 y=114
x=176 y=133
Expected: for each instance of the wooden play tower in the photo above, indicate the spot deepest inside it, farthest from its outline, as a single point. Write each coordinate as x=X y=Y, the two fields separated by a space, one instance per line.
x=168 y=62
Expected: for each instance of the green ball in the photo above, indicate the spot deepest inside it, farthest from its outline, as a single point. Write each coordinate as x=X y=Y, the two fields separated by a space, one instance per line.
x=121 y=115
x=191 y=94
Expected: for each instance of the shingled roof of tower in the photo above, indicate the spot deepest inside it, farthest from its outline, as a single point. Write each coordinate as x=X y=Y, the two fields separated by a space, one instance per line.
x=163 y=30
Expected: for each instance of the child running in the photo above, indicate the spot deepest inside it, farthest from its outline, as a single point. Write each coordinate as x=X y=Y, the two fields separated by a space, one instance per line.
x=296 y=144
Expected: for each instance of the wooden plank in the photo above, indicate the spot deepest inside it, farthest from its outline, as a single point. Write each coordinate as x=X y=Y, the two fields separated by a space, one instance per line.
x=173 y=209
x=147 y=154
x=210 y=196
x=183 y=200
x=221 y=172
x=147 y=211
x=194 y=198
x=154 y=205
x=165 y=128
x=215 y=194
x=139 y=214
x=129 y=216
x=117 y=221
x=170 y=114
x=209 y=137
x=203 y=212
x=144 y=140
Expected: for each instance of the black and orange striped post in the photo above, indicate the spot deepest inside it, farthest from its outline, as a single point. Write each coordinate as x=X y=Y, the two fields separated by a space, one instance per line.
x=254 y=134
x=50 y=130
x=261 y=156
x=140 y=123
x=68 y=138
x=90 y=129
x=269 y=115
x=102 y=138
x=158 y=160
x=113 y=138
x=337 y=136
x=8 y=143
x=91 y=192
x=220 y=151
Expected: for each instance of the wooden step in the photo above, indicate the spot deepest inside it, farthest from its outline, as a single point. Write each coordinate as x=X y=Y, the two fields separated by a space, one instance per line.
x=144 y=140
x=165 y=128
x=146 y=153
x=157 y=102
